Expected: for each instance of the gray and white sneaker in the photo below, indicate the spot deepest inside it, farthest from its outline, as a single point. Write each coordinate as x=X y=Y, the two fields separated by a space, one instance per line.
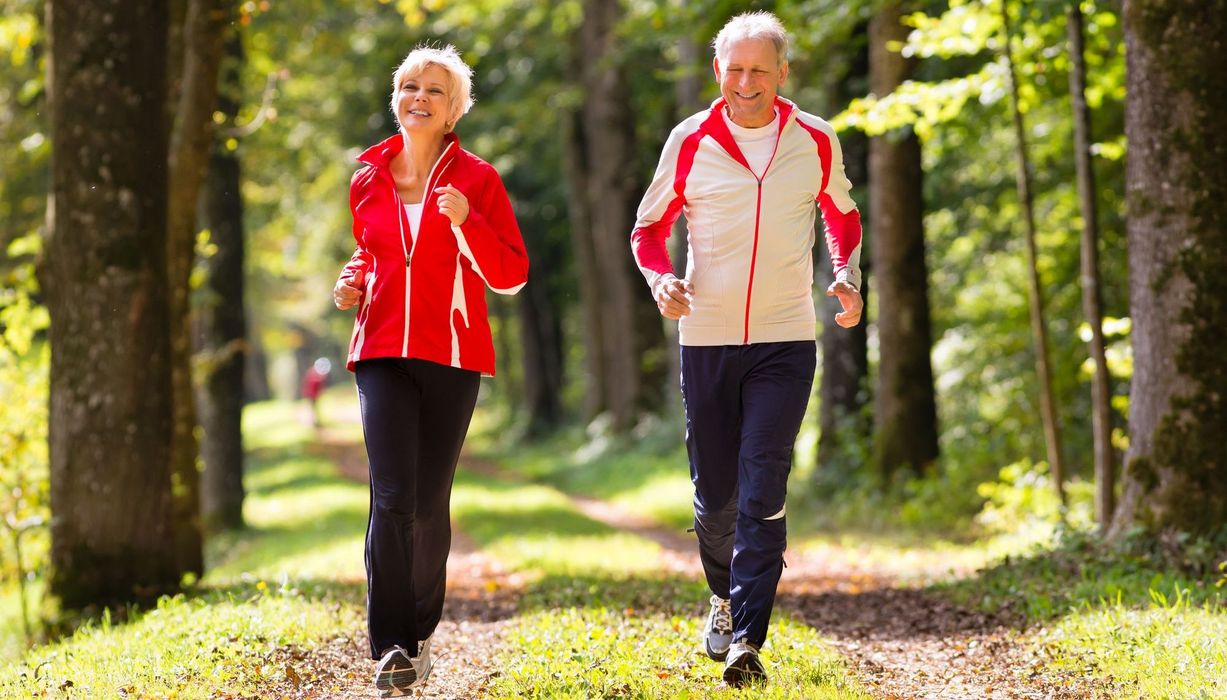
x=743 y=665
x=397 y=672
x=718 y=632
x=423 y=662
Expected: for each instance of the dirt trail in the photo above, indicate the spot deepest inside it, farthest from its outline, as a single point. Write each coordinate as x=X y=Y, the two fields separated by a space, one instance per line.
x=900 y=640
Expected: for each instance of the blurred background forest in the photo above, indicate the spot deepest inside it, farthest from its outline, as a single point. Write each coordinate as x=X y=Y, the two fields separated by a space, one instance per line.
x=987 y=392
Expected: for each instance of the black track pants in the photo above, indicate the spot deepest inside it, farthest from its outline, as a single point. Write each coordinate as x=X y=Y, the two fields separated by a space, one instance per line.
x=414 y=416
x=744 y=406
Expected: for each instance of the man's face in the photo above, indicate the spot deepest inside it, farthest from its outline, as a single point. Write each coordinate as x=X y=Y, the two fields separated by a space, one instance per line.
x=750 y=77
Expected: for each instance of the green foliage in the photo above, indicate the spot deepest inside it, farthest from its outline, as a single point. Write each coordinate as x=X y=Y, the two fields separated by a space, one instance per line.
x=24 y=146
x=24 y=485
x=1023 y=504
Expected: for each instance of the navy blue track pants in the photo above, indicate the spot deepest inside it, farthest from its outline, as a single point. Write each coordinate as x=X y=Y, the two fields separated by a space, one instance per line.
x=414 y=417
x=744 y=406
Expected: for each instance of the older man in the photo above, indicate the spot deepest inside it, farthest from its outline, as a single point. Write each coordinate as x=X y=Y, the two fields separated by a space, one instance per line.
x=747 y=173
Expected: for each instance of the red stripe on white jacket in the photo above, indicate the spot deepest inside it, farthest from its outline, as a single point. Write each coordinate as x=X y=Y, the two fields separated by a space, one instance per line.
x=750 y=239
x=425 y=298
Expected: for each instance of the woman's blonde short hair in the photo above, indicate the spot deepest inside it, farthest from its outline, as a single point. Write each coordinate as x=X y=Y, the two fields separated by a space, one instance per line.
x=752 y=25
x=460 y=96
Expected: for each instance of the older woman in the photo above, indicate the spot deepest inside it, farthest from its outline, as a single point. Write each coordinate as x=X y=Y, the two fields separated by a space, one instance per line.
x=433 y=227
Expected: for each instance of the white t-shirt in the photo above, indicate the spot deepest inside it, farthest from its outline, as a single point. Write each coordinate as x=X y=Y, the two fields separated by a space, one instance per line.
x=414 y=213
x=756 y=145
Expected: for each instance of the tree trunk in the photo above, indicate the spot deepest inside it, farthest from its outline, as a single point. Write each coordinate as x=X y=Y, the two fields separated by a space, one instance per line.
x=1092 y=305
x=541 y=347
x=1039 y=332
x=1175 y=474
x=223 y=319
x=842 y=387
x=255 y=370
x=579 y=214
x=190 y=143
x=612 y=198
x=104 y=273
x=905 y=415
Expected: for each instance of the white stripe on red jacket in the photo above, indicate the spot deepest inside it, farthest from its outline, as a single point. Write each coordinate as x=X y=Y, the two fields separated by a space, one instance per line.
x=750 y=240
x=425 y=298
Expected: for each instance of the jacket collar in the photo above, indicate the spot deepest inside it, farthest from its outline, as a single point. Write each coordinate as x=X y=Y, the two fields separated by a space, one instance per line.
x=717 y=126
x=382 y=153
x=786 y=108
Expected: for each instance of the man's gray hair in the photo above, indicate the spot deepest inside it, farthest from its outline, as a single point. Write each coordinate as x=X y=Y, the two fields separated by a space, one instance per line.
x=752 y=25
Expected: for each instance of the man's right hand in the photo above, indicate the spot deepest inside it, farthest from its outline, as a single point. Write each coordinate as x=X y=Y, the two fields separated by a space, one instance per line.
x=348 y=291
x=673 y=297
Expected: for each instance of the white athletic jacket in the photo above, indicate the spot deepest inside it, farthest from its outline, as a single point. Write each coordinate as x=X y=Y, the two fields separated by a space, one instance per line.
x=750 y=240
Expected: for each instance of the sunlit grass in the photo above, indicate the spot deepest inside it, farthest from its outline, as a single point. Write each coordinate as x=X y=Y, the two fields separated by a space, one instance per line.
x=536 y=528
x=293 y=577
x=593 y=636
x=649 y=477
x=1165 y=651
x=185 y=648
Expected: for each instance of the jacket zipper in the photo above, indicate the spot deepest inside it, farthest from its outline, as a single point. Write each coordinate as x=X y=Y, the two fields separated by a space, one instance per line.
x=758 y=208
x=758 y=211
x=408 y=248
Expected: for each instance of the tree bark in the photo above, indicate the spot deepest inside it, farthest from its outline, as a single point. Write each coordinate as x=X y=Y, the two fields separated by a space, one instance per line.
x=842 y=387
x=104 y=272
x=1039 y=330
x=1175 y=475
x=222 y=317
x=190 y=144
x=579 y=214
x=612 y=196
x=1092 y=305
x=541 y=348
x=905 y=415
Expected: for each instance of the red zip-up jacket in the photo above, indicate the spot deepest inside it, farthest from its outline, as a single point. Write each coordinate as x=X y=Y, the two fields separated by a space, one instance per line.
x=426 y=299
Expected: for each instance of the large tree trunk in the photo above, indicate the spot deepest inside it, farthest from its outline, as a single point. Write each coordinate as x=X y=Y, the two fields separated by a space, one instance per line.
x=104 y=272
x=191 y=140
x=1039 y=330
x=1176 y=188
x=1101 y=409
x=612 y=196
x=223 y=319
x=905 y=415
x=541 y=346
x=842 y=390
x=579 y=215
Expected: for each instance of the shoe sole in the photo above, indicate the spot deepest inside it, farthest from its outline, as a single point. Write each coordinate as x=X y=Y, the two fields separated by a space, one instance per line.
x=398 y=679
x=738 y=677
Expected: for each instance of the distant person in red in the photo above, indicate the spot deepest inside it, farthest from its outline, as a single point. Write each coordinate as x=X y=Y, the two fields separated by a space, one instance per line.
x=313 y=383
x=433 y=230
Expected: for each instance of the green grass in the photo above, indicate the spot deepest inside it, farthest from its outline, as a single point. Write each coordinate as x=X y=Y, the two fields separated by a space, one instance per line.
x=1117 y=613
x=650 y=477
x=294 y=578
x=597 y=618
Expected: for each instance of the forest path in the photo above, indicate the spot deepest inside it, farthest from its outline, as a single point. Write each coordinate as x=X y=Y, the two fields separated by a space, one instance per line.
x=900 y=640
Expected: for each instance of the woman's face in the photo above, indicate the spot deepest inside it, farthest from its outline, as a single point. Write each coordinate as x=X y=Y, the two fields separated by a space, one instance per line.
x=423 y=102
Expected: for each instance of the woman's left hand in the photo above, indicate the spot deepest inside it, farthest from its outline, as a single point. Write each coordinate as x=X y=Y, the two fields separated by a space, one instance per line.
x=453 y=204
